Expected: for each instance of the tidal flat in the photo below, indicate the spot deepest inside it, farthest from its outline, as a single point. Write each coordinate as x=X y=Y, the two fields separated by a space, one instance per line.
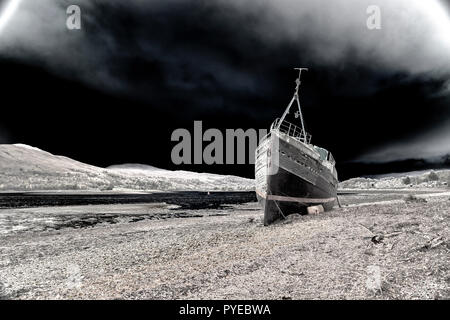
x=378 y=245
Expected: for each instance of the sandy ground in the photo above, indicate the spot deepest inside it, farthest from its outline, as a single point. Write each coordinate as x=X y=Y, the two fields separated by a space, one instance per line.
x=375 y=247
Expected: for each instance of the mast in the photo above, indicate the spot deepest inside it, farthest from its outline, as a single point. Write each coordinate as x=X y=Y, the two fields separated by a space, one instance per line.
x=295 y=98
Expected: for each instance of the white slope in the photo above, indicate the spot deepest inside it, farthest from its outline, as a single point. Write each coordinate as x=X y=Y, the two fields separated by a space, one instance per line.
x=415 y=179
x=134 y=167
x=25 y=168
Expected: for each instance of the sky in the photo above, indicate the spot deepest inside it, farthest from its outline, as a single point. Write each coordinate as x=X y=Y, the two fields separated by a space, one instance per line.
x=115 y=90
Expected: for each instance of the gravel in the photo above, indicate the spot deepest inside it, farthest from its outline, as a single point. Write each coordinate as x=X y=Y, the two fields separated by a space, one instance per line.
x=391 y=250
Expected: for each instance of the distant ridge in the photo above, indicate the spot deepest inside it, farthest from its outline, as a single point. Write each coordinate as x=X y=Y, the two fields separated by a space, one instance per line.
x=414 y=179
x=352 y=169
x=134 y=167
x=26 y=168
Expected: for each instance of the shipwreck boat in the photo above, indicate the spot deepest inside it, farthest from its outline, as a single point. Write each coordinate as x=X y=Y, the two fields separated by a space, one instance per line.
x=292 y=174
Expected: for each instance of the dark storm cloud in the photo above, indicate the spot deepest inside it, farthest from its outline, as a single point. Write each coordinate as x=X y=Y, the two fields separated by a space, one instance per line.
x=135 y=48
x=214 y=55
x=4 y=136
x=193 y=45
x=432 y=145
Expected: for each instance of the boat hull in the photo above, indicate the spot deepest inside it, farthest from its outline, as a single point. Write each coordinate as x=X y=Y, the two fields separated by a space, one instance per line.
x=289 y=179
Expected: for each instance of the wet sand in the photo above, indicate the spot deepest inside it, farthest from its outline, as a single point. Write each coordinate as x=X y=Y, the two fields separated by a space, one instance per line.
x=378 y=246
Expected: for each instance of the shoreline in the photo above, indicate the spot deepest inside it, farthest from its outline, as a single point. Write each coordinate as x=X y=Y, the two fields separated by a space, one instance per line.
x=227 y=253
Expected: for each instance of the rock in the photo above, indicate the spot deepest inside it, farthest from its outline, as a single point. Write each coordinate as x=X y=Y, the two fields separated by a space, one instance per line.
x=413 y=198
x=377 y=239
x=315 y=209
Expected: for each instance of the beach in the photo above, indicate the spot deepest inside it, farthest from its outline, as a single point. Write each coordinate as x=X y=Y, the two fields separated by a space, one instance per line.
x=371 y=248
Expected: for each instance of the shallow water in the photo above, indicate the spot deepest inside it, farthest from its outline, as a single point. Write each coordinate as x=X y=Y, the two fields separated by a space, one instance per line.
x=187 y=200
x=36 y=212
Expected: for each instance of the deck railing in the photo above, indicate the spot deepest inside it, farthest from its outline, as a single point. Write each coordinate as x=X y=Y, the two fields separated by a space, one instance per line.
x=291 y=130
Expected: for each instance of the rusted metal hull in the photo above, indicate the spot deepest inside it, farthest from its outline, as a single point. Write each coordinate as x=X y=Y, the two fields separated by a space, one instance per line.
x=289 y=178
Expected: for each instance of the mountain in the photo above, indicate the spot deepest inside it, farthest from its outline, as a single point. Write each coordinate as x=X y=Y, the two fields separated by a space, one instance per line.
x=352 y=169
x=414 y=179
x=23 y=168
x=134 y=167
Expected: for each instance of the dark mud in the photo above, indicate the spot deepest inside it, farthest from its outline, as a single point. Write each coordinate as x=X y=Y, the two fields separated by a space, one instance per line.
x=36 y=212
x=90 y=220
x=185 y=200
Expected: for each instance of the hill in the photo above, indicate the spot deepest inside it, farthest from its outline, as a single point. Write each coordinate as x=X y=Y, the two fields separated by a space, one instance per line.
x=25 y=168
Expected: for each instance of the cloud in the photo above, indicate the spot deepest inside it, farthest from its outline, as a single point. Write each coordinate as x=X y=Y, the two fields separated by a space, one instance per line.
x=7 y=11
x=415 y=37
x=432 y=145
x=206 y=50
x=4 y=136
x=109 y=53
